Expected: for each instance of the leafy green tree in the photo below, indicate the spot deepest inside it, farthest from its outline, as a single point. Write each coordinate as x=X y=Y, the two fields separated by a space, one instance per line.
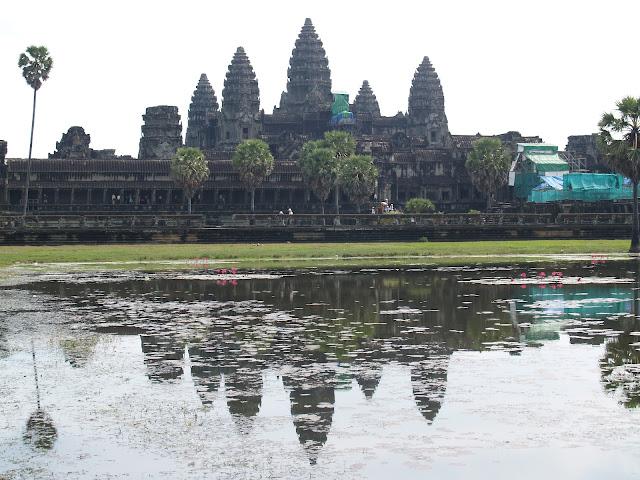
x=36 y=64
x=357 y=175
x=419 y=205
x=344 y=145
x=318 y=165
x=340 y=142
x=618 y=140
x=189 y=169
x=254 y=161
x=488 y=165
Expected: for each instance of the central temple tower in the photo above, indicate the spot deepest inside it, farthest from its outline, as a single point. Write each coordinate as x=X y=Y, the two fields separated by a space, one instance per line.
x=240 y=101
x=426 y=107
x=309 y=77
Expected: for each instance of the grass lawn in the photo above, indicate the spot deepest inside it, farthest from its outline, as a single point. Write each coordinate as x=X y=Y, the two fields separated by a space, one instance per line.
x=307 y=254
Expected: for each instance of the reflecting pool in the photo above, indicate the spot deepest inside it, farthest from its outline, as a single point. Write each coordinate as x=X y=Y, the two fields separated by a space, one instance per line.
x=492 y=372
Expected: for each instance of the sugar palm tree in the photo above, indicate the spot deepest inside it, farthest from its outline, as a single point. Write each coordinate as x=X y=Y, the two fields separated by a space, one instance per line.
x=344 y=145
x=620 y=141
x=357 y=174
x=36 y=64
x=255 y=163
x=318 y=165
x=488 y=166
x=189 y=169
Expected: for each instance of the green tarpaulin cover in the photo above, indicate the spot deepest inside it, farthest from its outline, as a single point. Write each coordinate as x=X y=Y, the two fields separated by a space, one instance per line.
x=340 y=103
x=547 y=162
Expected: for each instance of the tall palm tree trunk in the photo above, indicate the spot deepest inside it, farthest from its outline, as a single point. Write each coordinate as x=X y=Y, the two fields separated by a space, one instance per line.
x=253 y=200
x=189 y=205
x=337 y=199
x=26 y=187
x=635 y=236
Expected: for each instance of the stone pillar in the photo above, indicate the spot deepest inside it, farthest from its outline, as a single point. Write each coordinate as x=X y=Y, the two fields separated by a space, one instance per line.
x=168 y=199
x=73 y=192
x=89 y=193
x=136 y=199
x=153 y=196
x=104 y=196
x=56 y=196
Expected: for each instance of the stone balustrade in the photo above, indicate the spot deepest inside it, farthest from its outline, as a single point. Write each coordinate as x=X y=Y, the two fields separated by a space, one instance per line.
x=136 y=221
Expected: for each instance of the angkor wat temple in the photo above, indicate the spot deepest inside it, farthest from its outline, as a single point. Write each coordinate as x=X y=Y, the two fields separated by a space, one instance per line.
x=415 y=153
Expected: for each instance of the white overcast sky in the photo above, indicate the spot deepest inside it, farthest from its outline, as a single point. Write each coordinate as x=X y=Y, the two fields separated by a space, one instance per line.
x=545 y=67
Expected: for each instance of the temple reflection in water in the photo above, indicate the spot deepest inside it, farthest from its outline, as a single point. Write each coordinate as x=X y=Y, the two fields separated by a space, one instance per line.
x=321 y=333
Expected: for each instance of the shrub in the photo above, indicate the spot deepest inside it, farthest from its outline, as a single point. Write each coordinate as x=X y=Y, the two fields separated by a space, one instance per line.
x=419 y=205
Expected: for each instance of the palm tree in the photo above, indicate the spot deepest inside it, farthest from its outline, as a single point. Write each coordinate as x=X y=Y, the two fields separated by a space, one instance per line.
x=358 y=175
x=619 y=141
x=254 y=162
x=318 y=168
x=344 y=145
x=190 y=170
x=36 y=65
x=488 y=166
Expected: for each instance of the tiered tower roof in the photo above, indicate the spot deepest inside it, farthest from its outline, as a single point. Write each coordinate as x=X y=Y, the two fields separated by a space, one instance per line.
x=203 y=100
x=366 y=101
x=309 y=76
x=427 y=118
x=426 y=91
x=203 y=108
x=241 y=94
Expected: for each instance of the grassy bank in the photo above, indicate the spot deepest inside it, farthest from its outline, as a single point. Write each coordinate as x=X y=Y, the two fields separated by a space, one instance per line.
x=306 y=254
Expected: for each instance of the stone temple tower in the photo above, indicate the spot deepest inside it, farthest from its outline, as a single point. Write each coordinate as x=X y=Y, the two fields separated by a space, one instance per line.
x=366 y=101
x=240 y=101
x=309 y=77
x=427 y=118
x=161 y=133
x=203 y=115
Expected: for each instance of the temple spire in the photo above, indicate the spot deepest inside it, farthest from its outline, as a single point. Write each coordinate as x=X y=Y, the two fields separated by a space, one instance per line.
x=240 y=100
x=309 y=77
x=366 y=101
x=202 y=112
x=241 y=94
x=427 y=117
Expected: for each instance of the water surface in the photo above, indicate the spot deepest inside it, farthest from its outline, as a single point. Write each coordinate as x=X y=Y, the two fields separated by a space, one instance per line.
x=373 y=373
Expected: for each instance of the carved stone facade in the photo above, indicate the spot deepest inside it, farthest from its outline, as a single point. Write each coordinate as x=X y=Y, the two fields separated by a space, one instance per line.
x=75 y=144
x=161 y=133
